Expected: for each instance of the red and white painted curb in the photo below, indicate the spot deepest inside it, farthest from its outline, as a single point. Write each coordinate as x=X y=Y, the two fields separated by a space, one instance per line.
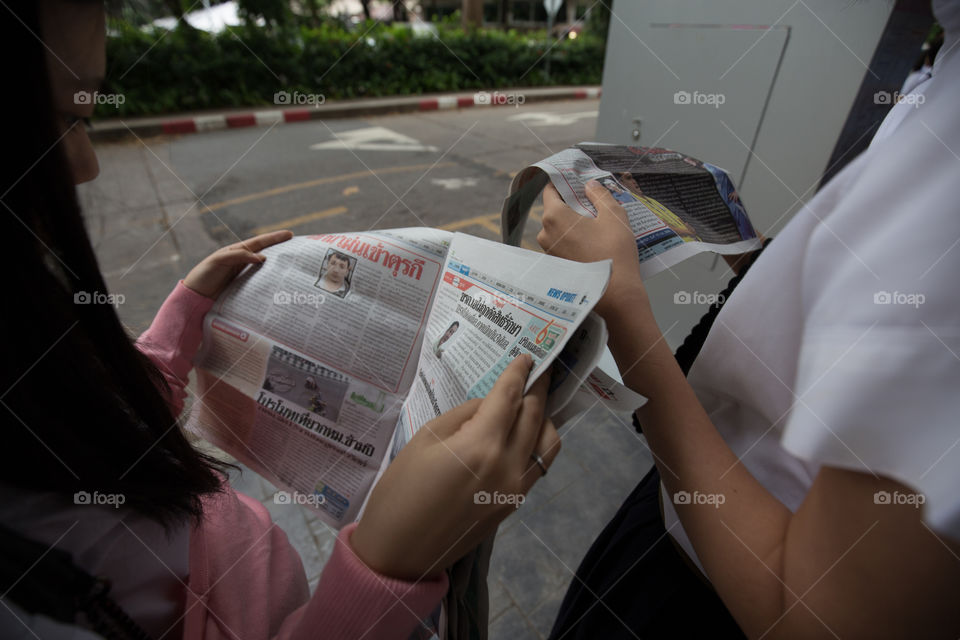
x=269 y=117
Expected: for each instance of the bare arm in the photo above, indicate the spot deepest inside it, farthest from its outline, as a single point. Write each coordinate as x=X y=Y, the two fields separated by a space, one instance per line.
x=841 y=565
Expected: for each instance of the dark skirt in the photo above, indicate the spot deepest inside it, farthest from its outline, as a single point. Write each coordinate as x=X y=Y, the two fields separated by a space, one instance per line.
x=634 y=583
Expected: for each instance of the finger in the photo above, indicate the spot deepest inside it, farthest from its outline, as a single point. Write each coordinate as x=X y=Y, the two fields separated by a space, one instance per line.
x=499 y=409
x=526 y=429
x=558 y=219
x=238 y=258
x=547 y=447
x=264 y=240
x=555 y=210
x=551 y=197
x=604 y=202
x=447 y=424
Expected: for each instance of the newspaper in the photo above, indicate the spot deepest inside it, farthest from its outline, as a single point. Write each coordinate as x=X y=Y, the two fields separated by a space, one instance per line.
x=678 y=206
x=317 y=366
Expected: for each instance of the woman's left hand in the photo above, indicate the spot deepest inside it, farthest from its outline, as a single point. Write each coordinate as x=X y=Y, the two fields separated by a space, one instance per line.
x=217 y=270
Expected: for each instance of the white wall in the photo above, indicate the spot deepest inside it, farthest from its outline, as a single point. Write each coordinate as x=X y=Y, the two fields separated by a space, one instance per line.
x=786 y=94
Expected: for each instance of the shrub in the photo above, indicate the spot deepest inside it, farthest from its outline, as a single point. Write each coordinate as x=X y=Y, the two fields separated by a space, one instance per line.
x=185 y=69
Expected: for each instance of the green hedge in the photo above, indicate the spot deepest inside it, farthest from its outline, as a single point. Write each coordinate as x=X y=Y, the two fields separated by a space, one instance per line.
x=189 y=70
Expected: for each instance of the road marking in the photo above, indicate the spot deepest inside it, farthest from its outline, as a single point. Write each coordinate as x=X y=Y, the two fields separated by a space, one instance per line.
x=328 y=180
x=294 y=222
x=349 y=191
x=488 y=220
x=469 y=222
x=373 y=139
x=453 y=184
x=546 y=119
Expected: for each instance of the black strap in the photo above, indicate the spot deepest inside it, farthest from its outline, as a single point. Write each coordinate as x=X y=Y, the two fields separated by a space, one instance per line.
x=687 y=352
x=44 y=580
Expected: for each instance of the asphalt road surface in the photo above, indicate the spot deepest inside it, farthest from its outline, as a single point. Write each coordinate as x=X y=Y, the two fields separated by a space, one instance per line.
x=161 y=204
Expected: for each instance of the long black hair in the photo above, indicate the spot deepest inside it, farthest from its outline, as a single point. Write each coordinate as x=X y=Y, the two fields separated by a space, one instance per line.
x=81 y=409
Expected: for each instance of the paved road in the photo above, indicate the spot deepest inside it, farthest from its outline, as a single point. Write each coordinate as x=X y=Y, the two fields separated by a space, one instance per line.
x=161 y=204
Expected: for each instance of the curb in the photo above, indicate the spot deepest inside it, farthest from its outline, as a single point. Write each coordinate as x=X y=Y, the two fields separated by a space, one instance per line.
x=113 y=130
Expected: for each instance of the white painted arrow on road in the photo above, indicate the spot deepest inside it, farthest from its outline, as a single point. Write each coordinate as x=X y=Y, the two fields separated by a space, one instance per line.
x=373 y=139
x=453 y=184
x=546 y=119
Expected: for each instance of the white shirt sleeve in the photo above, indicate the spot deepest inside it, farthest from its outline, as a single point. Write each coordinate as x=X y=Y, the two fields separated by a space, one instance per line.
x=878 y=377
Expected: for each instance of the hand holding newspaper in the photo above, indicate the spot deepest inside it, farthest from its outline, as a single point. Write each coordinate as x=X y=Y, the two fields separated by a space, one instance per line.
x=317 y=367
x=678 y=206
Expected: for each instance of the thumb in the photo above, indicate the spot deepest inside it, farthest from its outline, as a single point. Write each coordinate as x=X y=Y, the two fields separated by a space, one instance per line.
x=447 y=424
x=605 y=203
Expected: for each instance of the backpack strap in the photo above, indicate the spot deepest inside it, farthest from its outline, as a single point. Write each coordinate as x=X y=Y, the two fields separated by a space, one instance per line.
x=44 y=580
x=687 y=352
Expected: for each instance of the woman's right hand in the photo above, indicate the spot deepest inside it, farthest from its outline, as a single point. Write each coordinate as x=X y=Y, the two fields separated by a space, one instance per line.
x=569 y=235
x=438 y=499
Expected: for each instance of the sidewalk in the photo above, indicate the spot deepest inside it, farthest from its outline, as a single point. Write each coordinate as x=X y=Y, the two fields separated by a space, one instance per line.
x=121 y=128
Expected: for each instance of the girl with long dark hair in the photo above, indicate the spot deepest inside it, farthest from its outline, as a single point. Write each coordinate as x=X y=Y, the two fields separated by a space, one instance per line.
x=173 y=551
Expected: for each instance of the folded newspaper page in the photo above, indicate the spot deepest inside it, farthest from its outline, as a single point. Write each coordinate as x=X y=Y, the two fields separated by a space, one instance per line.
x=318 y=365
x=494 y=303
x=678 y=206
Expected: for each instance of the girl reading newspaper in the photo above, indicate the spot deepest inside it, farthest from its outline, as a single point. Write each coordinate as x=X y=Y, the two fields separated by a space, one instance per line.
x=112 y=524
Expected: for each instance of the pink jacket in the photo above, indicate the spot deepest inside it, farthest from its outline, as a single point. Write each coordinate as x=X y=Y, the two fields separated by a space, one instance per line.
x=246 y=581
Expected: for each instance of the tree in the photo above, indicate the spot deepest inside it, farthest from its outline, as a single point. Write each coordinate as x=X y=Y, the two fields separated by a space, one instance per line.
x=472 y=13
x=399 y=11
x=273 y=12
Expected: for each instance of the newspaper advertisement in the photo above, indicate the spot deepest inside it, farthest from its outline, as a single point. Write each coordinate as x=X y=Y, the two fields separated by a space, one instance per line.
x=677 y=205
x=306 y=360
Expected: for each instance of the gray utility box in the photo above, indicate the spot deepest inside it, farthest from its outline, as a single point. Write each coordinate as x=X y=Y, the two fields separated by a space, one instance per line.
x=761 y=88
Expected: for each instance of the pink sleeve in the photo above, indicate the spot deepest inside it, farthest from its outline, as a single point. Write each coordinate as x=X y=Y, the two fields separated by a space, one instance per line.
x=173 y=338
x=245 y=575
x=353 y=601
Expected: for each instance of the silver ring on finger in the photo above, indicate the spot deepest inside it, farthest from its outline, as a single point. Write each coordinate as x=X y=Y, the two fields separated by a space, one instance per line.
x=536 y=458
